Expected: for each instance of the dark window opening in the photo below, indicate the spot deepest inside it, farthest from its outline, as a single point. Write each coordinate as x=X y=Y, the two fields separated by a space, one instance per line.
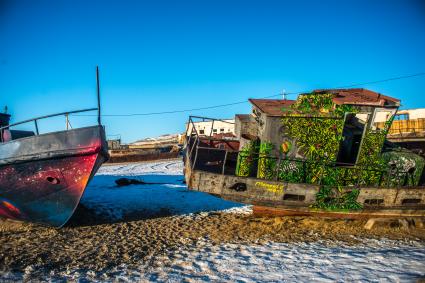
x=221 y=130
x=411 y=201
x=293 y=197
x=214 y=130
x=374 y=201
x=352 y=137
x=239 y=187
x=201 y=132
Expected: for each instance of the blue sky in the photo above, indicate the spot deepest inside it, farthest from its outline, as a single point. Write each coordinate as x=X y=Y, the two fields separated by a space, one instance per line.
x=170 y=55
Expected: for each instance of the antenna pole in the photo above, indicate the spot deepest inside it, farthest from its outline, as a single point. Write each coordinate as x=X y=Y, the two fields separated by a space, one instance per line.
x=98 y=95
x=284 y=94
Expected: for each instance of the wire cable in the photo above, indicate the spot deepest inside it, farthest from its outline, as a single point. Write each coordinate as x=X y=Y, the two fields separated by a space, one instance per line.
x=245 y=101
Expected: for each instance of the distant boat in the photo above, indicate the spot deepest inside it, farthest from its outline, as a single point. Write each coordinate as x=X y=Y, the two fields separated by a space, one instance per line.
x=43 y=176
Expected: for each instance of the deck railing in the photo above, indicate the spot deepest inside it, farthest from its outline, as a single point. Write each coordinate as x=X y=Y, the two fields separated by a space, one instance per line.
x=35 y=120
x=204 y=157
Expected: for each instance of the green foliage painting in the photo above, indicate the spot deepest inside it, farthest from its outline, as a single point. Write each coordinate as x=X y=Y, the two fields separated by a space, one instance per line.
x=313 y=128
x=331 y=199
x=246 y=159
x=266 y=164
x=316 y=124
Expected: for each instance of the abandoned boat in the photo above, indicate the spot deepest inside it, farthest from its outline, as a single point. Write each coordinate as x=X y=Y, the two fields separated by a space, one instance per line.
x=324 y=153
x=43 y=176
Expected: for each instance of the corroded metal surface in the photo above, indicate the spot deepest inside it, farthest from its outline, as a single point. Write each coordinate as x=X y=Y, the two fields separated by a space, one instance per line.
x=296 y=199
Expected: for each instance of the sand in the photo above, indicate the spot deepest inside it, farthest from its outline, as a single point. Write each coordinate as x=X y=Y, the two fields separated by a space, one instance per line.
x=88 y=242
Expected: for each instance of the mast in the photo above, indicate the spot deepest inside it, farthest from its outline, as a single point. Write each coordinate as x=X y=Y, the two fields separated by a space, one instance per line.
x=98 y=95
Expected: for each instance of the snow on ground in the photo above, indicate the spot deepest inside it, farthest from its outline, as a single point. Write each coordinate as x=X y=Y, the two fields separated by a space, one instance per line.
x=370 y=261
x=324 y=261
x=170 y=195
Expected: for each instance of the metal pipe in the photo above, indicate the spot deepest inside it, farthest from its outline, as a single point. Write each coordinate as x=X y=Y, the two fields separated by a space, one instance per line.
x=203 y=118
x=36 y=127
x=194 y=145
x=67 y=121
x=194 y=161
x=211 y=148
x=212 y=127
x=98 y=95
x=224 y=163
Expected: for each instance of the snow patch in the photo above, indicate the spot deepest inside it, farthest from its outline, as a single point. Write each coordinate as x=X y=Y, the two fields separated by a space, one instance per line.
x=169 y=197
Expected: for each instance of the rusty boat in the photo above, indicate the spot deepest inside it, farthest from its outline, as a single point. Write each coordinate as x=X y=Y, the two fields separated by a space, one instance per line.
x=43 y=176
x=286 y=178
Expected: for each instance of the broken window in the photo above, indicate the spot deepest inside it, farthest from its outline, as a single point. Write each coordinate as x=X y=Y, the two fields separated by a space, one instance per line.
x=352 y=133
x=380 y=117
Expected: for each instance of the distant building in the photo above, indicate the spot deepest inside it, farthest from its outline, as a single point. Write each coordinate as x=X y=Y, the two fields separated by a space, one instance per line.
x=409 y=121
x=408 y=129
x=114 y=144
x=210 y=128
x=158 y=142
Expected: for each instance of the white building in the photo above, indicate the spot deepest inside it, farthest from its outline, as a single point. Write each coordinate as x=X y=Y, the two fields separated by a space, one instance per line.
x=207 y=128
x=411 y=114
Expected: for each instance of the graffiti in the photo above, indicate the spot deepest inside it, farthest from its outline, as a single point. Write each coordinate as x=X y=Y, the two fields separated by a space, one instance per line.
x=274 y=188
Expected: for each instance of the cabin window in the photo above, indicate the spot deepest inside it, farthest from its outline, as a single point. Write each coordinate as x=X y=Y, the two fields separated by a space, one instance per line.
x=214 y=131
x=201 y=132
x=221 y=130
x=380 y=117
x=354 y=127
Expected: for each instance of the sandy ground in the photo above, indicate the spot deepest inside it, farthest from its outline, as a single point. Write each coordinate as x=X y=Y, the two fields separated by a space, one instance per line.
x=100 y=247
x=96 y=242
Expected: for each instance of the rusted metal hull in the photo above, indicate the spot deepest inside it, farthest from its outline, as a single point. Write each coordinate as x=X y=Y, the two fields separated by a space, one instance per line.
x=43 y=178
x=279 y=198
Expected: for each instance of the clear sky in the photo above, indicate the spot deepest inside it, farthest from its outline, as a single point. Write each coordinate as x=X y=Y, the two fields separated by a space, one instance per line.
x=170 y=55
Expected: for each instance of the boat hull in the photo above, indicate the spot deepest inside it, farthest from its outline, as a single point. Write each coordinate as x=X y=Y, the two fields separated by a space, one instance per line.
x=43 y=180
x=279 y=198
